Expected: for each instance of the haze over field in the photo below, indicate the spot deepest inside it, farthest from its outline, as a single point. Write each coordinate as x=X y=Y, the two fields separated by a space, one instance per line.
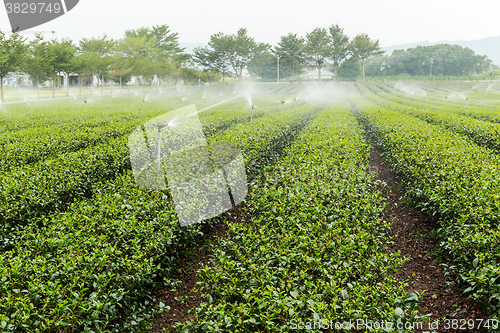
x=391 y=21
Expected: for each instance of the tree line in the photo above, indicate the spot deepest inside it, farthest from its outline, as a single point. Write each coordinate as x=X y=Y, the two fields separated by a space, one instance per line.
x=318 y=48
x=331 y=48
x=154 y=54
x=145 y=53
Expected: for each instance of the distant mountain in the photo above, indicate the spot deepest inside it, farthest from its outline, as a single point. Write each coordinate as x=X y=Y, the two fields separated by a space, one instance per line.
x=487 y=46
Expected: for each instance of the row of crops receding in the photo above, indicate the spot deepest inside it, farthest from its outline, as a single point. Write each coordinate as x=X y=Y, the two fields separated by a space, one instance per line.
x=94 y=264
x=84 y=249
x=311 y=249
x=451 y=173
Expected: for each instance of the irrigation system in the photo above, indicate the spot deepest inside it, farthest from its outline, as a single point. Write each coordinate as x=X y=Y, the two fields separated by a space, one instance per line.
x=159 y=127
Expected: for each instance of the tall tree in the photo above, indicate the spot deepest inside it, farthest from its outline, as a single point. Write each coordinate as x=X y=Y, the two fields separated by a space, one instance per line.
x=137 y=46
x=213 y=59
x=166 y=40
x=163 y=57
x=38 y=61
x=12 y=52
x=264 y=66
x=121 y=66
x=61 y=55
x=102 y=47
x=350 y=69
x=239 y=49
x=363 y=47
x=85 y=65
x=318 y=48
x=164 y=64
x=179 y=63
x=340 y=47
x=290 y=49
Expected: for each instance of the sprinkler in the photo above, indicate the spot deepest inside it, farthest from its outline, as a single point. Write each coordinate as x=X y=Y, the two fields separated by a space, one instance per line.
x=282 y=102
x=467 y=102
x=251 y=119
x=85 y=102
x=159 y=127
x=294 y=100
x=143 y=103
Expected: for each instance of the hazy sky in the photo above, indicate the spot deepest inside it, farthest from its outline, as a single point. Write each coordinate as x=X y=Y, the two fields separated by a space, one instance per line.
x=390 y=21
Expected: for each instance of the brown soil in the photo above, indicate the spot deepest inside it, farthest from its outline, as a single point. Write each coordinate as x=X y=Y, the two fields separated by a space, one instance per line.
x=186 y=297
x=440 y=301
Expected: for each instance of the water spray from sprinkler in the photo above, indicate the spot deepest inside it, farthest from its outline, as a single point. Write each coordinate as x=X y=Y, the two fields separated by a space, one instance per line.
x=159 y=127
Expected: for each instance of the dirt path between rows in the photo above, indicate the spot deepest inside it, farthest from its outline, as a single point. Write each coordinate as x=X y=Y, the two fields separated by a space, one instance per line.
x=412 y=230
x=186 y=297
